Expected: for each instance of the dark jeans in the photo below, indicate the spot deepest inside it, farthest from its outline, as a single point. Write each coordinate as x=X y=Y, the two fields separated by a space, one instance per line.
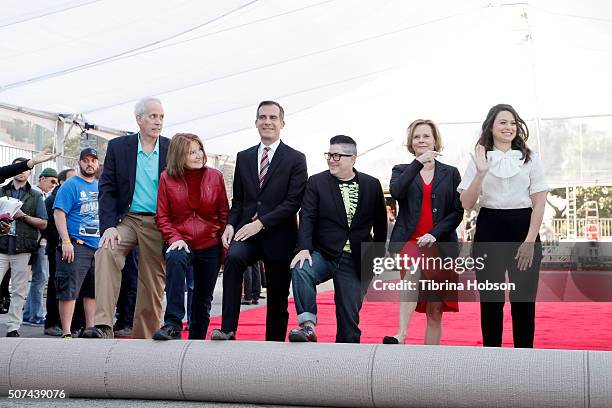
x=278 y=277
x=127 y=294
x=53 y=319
x=348 y=295
x=252 y=282
x=189 y=283
x=206 y=264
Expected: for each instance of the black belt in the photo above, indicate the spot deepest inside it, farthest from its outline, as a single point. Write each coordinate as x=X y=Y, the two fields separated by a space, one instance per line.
x=149 y=214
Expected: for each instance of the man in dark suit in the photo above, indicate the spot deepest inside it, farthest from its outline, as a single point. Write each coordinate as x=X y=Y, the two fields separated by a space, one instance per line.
x=340 y=210
x=127 y=206
x=269 y=182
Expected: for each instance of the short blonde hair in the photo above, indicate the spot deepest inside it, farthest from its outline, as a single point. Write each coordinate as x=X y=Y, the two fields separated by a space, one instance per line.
x=434 y=129
x=178 y=151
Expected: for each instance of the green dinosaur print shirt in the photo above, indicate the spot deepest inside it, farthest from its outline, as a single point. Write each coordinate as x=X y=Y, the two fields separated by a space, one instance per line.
x=350 y=195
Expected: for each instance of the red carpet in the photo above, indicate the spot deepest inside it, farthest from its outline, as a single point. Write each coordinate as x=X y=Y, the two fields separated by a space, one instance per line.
x=575 y=326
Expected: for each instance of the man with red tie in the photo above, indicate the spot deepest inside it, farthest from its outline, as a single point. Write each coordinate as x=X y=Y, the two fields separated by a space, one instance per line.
x=269 y=182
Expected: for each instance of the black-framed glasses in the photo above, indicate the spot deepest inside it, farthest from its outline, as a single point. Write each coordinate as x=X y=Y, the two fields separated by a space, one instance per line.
x=335 y=156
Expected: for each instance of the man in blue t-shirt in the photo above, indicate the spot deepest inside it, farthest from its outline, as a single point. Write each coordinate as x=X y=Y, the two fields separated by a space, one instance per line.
x=76 y=219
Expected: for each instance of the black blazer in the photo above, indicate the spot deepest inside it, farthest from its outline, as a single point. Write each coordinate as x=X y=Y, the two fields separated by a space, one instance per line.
x=276 y=202
x=447 y=211
x=323 y=223
x=116 y=186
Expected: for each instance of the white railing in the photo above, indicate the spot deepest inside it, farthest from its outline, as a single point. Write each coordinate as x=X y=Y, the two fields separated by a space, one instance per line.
x=559 y=226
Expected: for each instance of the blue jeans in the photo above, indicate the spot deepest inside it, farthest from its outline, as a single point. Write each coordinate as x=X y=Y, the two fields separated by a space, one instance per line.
x=206 y=264
x=34 y=309
x=348 y=294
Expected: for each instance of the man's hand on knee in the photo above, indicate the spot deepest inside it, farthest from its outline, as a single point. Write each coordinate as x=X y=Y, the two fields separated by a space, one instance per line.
x=111 y=236
x=300 y=257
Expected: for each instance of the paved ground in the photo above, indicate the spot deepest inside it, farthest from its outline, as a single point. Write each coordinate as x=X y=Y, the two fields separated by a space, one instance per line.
x=100 y=403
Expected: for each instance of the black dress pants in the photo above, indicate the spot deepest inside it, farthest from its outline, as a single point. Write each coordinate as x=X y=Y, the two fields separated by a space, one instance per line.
x=240 y=255
x=499 y=234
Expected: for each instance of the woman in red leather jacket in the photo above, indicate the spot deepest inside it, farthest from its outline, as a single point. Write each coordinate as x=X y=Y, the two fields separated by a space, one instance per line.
x=192 y=210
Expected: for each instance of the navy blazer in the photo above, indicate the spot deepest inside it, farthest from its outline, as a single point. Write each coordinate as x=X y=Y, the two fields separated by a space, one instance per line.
x=406 y=188
x=323 y=223
x=116 y=186
x=276 y=202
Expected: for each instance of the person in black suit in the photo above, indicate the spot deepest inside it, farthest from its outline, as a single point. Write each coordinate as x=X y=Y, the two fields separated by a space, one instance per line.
x=127 y=206
x=429 y=212
x=269 y=182
x=340 y=208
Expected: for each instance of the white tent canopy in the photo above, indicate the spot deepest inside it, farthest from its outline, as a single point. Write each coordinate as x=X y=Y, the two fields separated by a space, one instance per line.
x=361 y=68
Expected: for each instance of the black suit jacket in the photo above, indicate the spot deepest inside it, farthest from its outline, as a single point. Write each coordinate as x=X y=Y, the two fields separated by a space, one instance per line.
x=323 y=223
x=11 y=170
x=276 y=202
x=447 y=211
x=116 y=186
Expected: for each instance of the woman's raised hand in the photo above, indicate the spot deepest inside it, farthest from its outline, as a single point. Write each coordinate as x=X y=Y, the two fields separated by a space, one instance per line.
x=480 y=159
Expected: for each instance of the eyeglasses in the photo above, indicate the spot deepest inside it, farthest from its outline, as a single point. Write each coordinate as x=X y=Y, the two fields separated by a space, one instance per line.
x=335 y=156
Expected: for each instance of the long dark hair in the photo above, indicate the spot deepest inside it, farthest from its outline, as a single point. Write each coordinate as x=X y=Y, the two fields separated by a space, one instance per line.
x=522 y=132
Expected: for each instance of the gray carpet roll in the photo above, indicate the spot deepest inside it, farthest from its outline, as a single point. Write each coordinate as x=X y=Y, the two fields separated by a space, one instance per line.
x=76 y=366
x=7 y=348
x=153 y=368
x=599 y=365
x=422 y=376
x=324 y=374
x=279 y=373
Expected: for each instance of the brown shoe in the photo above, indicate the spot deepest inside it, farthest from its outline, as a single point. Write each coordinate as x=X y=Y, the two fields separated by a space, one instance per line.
x=302 y=334
x=98 y=332
x=218 y=334
x=125 y=332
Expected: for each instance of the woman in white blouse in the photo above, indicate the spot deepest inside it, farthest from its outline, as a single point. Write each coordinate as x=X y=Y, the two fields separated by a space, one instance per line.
x=507 y=178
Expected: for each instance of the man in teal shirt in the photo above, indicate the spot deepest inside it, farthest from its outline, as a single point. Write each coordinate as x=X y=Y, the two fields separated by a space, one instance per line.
x=147 y=179
x=127 y=206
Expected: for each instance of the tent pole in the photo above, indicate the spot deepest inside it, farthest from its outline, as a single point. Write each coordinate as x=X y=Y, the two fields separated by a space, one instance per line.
x=59 y=144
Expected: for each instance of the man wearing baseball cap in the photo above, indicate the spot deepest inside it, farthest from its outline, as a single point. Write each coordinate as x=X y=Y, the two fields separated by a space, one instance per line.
x=76 y=218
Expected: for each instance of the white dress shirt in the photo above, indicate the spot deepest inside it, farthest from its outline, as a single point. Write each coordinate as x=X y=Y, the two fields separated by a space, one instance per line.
x=509 y=182
x=260 y=150
x=44 y=195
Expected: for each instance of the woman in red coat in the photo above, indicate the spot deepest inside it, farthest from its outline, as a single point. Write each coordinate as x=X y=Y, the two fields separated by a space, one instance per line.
x=192 y=210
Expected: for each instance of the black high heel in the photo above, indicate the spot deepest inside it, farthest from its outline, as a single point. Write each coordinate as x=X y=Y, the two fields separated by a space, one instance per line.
x=390 y=340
